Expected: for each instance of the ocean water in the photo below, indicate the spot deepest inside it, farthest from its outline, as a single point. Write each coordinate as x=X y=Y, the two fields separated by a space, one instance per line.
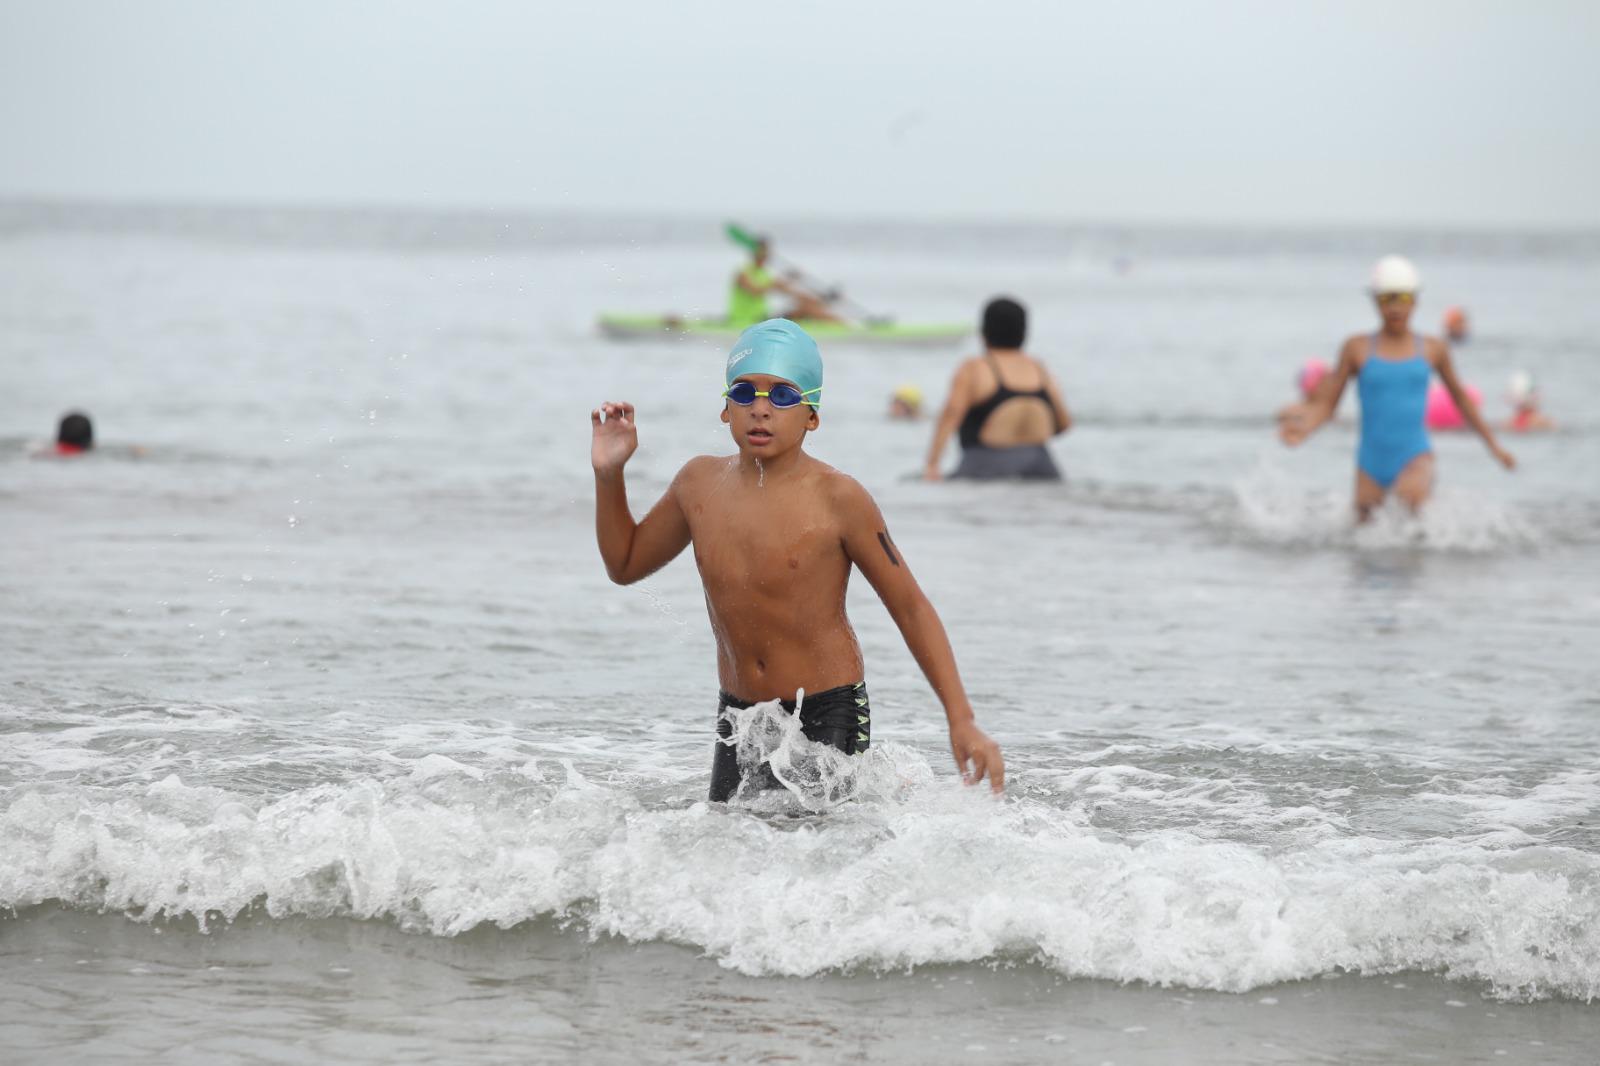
x=322 y=732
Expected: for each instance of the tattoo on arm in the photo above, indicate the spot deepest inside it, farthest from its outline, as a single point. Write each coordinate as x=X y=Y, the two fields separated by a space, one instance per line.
x=888 y=546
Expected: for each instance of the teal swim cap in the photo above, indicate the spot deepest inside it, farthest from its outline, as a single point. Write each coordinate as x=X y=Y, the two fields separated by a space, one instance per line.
x=782 y=349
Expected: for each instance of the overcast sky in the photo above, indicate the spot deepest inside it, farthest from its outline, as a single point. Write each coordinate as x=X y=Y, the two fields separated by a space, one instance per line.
x=1380 y=111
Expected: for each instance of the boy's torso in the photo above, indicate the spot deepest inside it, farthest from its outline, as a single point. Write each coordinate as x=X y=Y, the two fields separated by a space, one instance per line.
x=772 y=559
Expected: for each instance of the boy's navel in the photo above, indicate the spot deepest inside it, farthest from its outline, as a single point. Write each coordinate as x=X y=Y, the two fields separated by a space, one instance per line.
x=794 y=564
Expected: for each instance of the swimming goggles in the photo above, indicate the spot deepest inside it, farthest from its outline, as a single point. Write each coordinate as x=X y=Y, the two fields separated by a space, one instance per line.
x=744 y=394
x=1397 y=297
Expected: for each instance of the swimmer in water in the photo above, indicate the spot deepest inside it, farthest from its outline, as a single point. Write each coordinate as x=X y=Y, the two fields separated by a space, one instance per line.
x=906 y=404
x=1524 y=396
x=1391 y=368
x=776 y=534
x=1456 y=328
x=75 y=434
x=1005 y=404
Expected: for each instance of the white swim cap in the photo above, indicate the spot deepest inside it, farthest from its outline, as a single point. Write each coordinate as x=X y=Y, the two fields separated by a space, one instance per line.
x=1395 y=273
x=1521 y=388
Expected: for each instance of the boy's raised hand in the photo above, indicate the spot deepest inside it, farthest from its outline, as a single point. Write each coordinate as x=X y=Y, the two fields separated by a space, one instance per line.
x=977 y=756
x=615 y=436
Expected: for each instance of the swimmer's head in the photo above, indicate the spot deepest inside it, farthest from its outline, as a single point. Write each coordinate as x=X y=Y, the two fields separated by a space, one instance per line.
x=1521 y=389
x=762 y=249
x=906 y=402
x=75 y=433
x=1005 y=323
x=1311 y=374
x=781 y=349
x=909 y=394
x=1394 y=286
x=1394 y=274
x=1455 y=323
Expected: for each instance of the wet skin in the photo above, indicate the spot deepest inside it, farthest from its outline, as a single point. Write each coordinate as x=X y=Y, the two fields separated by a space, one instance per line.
x=1017 y=421
x=776 y=534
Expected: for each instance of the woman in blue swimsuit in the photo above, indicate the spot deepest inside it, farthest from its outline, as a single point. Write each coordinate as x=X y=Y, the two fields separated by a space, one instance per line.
x=1392 y=368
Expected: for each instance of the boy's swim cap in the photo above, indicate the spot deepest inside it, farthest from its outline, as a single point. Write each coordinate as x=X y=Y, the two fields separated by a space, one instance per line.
x=782 y=349
x=1395 y=273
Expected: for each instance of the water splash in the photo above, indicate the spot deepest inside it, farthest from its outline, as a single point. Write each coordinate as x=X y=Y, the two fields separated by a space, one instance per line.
x=1271 y=507
x=772 y=749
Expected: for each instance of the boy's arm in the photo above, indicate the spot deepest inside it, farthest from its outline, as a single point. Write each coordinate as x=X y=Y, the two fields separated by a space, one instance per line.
x=631 y=550
x=955 y=408
x=1464 y=404
x=867 y=543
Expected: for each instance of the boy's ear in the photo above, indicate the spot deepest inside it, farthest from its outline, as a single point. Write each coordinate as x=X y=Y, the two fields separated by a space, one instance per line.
x=814 y=419
x=725 y=410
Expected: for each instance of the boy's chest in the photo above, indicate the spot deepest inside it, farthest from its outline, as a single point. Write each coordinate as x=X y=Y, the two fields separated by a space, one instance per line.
x=767 y=547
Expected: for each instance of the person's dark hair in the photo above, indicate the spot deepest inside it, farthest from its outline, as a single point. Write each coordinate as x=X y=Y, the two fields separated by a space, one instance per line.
x=75 y=431
x=1005 y=323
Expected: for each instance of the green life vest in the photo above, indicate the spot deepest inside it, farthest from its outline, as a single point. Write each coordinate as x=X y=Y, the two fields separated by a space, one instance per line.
x=748 y=308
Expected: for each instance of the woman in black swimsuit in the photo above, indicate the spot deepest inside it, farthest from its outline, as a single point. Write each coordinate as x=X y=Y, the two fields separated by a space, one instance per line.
x=1006 y=404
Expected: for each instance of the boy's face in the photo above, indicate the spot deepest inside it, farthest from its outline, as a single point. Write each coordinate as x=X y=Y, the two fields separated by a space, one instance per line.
x=763 y=430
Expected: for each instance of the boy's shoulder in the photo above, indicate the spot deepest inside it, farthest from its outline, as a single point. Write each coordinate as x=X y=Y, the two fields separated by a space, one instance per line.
x=843 y=493
x=700 y=468
x=818 y=481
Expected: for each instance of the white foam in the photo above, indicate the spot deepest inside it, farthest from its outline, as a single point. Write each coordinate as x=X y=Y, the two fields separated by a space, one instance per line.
x=818 y=776
x=1277 y=509
x=920 y=871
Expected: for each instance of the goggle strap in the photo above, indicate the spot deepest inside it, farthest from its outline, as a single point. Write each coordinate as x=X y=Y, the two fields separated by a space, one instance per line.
x=768 y=394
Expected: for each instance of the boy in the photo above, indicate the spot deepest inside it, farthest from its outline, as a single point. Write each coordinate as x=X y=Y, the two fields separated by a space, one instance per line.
x=775 y=533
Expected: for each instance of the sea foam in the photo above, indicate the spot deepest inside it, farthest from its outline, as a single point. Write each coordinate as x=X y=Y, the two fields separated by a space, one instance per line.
x=913 y=869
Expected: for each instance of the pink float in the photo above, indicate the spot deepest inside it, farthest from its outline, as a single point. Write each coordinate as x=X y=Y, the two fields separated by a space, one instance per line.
x=1442 y=412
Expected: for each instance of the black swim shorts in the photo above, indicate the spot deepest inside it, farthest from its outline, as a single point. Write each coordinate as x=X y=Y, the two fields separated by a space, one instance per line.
x=838 y=717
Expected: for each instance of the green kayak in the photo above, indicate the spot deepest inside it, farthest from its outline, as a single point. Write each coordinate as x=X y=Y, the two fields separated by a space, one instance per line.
x=646 y=327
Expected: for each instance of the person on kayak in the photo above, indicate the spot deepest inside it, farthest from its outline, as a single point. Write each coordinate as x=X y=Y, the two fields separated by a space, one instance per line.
x=747 y=299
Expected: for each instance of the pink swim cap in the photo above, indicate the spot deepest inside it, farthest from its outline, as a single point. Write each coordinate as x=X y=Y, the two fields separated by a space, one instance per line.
x=1311 y=374
x=1442 y=411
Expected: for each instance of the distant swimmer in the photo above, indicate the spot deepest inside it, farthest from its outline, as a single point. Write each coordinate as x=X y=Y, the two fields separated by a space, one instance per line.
x=906 y=404
x=1525 y=414
x=1455 y=324
x=1313 y=372
x=747 y=297
x=776 y=534
x=1392 y=368
x=1005 y=404
x=75 y=437
x=75 y=434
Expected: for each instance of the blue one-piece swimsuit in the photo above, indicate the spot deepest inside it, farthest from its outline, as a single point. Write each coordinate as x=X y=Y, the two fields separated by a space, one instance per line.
x=1394 y=401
